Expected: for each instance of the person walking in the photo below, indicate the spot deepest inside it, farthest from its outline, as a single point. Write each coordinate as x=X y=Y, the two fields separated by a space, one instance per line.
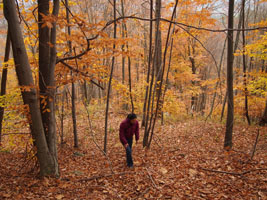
x=128 y=128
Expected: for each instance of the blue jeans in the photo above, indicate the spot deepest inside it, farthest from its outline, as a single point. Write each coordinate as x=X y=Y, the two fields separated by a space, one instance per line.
x=129 y=152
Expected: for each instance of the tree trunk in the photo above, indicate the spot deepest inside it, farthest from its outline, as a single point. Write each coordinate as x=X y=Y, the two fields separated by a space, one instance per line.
x=230 y=100
x=125 y=34
x=167 y=80
x=73 y=114
x=244 y=62
x=3 y=81
x=194 y=69
x=110 y=79
x=73 y=106
x=223 y=105
x=47 y=62
x=158 y=46
x=45 y=154
x=150 y=104
x=264 y=116
x=216 y=86
x=123 y=46
x=146 y=105
x=162 y=76
x=62 y=116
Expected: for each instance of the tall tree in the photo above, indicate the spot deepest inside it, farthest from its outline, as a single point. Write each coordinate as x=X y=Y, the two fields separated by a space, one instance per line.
x=4 y=81
x=146 y=105
x=244 y=62
x=230 y=58
x=46 y=144
x=73 y=94
x=47 y=63
x=110 y=79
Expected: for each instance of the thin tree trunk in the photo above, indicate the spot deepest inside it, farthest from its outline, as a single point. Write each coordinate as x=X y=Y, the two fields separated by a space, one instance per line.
x=146 y=105
x=73 y=105
x=158 y=47
x=150 y=97
x=137 y=71
x=224 y=102
x=46 y=156
x=219 y=77
x=123 y=46
x=130 y=83
x=62 y=116
x=244 y=62
x=162 y=75
x=167 y=81
x=125 y=33
x=85 y=92
x=110 y=79
x=193 y=66
x=230 y=103
x=4 y=81
x=263 y=120
x=73 y=114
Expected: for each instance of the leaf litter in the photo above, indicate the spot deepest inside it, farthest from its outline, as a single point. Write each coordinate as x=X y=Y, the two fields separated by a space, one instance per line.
x=185 y=161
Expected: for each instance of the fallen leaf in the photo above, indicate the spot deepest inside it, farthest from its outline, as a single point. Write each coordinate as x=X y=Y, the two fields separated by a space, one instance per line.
x=59 y=196
x=192 y=172
x=163 y=170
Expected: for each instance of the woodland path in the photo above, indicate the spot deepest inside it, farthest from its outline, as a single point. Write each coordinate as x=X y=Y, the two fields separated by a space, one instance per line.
x=174 y=167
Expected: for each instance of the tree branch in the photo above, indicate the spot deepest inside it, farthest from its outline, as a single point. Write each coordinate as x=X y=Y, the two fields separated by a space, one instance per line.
x=82 y=73
x=233 y=173
x=145 y=19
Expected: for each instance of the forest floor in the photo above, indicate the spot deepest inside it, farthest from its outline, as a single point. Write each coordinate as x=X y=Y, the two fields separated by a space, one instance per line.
x=186 y=161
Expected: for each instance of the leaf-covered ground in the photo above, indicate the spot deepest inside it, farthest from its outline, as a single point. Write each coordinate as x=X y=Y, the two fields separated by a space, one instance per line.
x=186 y=161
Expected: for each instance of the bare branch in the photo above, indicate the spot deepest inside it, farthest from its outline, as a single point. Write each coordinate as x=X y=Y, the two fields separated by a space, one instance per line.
x=233 y=173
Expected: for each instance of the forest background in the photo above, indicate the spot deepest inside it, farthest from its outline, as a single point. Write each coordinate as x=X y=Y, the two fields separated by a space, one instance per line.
x=73 y=69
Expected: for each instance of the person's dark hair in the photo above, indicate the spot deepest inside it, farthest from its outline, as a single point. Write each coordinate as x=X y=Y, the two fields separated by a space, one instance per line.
x=131 y=116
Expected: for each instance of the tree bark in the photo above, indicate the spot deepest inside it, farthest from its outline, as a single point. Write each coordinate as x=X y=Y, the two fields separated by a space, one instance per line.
x=145 y=107
x=125 y=33
x=244 y=63
x=230 y=100
x=46 y=157
x=162 y=76
x=62 y=115
x=4 y=81
x=110 y=79
x=194 y=69
x=73 y=106
x=149 y=114
x=123 y=46
x=263 y=120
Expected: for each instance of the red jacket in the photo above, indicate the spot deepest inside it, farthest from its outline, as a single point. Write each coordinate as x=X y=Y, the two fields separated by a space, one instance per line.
x=127 y=130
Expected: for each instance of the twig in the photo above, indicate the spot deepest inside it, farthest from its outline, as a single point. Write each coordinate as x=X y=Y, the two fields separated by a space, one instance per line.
x=151 y=178
x=15 y=134
x=233 y=173
x=27 y=163
x=255 y=145
x=103 y=176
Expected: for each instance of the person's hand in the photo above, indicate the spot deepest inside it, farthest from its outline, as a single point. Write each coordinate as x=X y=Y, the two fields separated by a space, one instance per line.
x=126 y=145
